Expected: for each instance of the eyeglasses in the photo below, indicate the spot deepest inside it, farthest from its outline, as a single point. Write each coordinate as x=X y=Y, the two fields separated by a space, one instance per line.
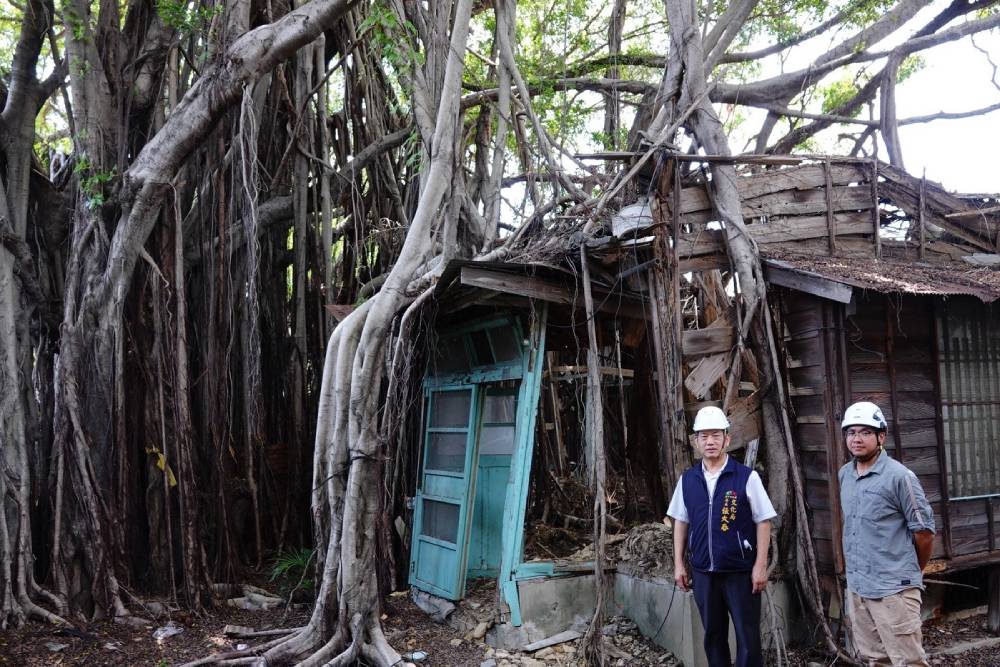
x=863 y=433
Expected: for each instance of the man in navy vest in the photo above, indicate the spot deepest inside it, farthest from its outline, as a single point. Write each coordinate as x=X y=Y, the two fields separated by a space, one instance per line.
x=722 y=520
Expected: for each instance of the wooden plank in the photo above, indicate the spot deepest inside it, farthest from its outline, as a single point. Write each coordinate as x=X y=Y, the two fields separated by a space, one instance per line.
x=704 y=263
x=578 y=370
x=802 y=281
x=534 y=287
x=969 y=539
x=781 y=229
x=744 y=417
x=802 y=202
x=711 y=340
x=708 y=242
x=973 y=214
x=771 y=182
x=565 y=636
x=899 y=188
x=706 y=372
x=801 y=228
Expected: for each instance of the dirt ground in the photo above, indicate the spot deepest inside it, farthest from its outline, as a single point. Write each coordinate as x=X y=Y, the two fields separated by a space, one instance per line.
x=109 y=644
x=407 y=628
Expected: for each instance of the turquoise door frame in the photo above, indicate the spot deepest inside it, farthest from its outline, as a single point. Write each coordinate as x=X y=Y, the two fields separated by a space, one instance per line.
x=515 y=504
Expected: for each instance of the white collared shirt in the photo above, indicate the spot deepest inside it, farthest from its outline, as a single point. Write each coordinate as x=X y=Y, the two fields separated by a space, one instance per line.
x=760 y=504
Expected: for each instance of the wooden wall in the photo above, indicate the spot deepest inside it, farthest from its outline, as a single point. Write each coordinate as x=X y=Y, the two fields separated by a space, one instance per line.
x=883 y=349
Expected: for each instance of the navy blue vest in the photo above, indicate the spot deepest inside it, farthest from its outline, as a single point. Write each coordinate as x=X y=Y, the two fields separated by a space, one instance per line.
x=722 y=536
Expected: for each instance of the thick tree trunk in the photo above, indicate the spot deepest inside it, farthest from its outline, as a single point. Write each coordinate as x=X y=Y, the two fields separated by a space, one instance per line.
x=345 y=621
x=19 y=300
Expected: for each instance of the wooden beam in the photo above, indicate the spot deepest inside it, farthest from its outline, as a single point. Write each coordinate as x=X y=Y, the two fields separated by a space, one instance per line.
x=920 y=216
x=804 y=281
x=875 y=213
x=975 y=213
x=830 y=226
x=534 y=287
x=556 y=371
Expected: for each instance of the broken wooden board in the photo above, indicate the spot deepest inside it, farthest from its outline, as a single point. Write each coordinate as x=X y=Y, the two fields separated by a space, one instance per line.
x=744 y=419
x=705 y=373
x=560 y=638
x=711 y=340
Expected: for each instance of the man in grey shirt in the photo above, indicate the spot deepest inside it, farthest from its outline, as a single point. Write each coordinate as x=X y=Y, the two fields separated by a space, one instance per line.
x=888 y=532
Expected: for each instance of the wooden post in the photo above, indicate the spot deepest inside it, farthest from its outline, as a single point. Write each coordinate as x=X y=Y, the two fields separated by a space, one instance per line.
x=923 y=228
x=890 y=358
x=834 y=438
x=561 y=457
x=660 y=311
x=875 y=216
x=680 y=444
x=830 y=224
x=937 y=339
x=993 y=600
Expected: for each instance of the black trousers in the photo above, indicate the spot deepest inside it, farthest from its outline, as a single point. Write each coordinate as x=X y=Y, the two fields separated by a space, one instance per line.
x=720 y=595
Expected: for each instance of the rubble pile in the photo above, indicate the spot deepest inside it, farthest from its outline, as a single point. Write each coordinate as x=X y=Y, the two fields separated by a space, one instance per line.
x=648 y=549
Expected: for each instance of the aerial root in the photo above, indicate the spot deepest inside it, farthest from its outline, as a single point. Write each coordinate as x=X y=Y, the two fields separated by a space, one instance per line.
x=247 y=656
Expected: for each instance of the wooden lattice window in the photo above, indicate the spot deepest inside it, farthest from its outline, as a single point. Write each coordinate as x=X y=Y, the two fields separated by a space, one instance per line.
x=969 y=358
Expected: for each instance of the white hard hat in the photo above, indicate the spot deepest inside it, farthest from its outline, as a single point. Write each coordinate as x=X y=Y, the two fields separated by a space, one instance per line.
x=864 y=413
x=710 y=418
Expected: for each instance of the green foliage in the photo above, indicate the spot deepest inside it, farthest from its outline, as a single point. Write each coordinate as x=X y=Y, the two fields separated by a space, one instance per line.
x=289 y=569
x=838 y=93
x=93 y=183
x=910 y=66
x=185 y=19
x=392 y=38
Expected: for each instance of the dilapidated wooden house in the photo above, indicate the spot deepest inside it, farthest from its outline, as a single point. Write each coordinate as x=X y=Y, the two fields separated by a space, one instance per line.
x=879 y=287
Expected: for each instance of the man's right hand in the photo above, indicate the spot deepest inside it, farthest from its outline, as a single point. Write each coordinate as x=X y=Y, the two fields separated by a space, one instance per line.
x=681 y=578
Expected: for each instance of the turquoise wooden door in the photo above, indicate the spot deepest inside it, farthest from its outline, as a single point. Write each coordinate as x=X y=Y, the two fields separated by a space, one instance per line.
x=441 y=521
x=496 y=445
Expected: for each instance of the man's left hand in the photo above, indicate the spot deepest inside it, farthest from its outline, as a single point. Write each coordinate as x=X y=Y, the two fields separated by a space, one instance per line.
x=759 y=577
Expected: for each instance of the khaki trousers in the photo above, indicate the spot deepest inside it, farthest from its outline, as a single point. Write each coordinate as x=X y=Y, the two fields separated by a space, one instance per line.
x=887 y=630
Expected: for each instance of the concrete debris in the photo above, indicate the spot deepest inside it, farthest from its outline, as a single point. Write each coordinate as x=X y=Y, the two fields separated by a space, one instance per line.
x=437 y=608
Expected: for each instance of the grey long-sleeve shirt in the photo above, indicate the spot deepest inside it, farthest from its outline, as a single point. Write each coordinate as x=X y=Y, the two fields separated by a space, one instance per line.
x=882 y=509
